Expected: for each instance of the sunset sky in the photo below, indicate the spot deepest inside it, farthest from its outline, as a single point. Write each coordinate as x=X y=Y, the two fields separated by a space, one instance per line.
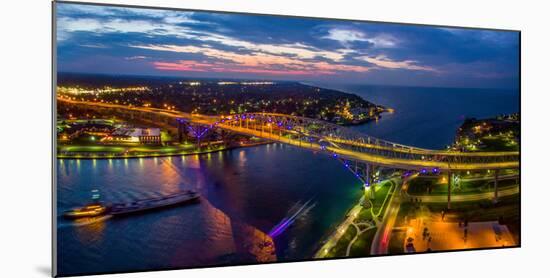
x=114 y=40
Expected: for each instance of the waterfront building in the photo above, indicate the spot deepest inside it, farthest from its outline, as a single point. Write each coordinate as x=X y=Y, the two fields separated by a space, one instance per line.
x=136 y=135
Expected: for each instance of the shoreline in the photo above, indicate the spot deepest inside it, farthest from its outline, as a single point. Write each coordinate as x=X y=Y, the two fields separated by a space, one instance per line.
x=333 y=231
x=336 y=233
x=366 y=121
x=132 y=156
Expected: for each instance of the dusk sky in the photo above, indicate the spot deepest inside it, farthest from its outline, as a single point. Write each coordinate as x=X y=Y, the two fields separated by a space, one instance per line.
x=113 y=40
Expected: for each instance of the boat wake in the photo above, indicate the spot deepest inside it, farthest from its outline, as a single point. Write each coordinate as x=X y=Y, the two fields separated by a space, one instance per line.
x=294 y=213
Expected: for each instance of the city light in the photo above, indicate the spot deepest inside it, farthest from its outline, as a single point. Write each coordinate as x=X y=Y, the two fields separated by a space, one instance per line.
x=301 y=171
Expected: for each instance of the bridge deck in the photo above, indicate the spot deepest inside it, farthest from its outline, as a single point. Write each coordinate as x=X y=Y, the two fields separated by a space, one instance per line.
x=384 y=154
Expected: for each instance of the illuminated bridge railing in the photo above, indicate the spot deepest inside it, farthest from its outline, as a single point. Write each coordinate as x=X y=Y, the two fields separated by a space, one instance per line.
x=332 y=136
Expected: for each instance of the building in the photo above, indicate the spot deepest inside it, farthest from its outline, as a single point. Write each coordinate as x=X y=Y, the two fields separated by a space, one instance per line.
x=136 y=135
x=74 y=130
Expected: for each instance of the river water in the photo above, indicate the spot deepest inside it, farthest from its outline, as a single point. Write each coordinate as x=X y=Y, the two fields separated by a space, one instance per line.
x=250 y=196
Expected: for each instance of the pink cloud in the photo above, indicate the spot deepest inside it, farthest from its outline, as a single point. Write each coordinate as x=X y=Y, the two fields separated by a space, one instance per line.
x=253 y=62
x=183 y=66
x=193 y=66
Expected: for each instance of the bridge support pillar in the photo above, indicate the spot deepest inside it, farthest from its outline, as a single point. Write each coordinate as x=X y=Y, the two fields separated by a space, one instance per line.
x=366 y=177
x=373 y=183
x=262 y=128
x=495 y=198
x=450 y=177
x=182 y=129
x=369 y=173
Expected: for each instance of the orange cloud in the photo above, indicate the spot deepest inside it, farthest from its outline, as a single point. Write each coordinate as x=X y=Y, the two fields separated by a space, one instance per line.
x=254 y=62
x=184 y=65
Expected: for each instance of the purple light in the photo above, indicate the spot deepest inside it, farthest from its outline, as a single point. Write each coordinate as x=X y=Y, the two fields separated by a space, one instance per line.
x=334 y=155
x=280 y=228
x=423 y=171
x=434 y=170
x=197 y=132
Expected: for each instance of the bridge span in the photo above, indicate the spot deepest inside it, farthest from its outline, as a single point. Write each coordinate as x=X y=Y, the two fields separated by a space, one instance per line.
x=322 y=136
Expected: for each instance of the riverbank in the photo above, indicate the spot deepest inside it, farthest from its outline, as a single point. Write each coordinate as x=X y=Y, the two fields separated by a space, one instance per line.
x=125 y=155
x=334 y=235
x=376 y=117
x=353 y=236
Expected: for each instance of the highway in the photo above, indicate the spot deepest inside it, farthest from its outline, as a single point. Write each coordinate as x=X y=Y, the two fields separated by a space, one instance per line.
x=382 y=237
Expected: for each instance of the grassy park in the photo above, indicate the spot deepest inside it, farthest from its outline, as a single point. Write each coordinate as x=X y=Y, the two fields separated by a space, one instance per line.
x=357 y=237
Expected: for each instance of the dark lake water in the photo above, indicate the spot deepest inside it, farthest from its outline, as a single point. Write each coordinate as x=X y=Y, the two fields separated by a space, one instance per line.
x=429 y=117
x=247 y=193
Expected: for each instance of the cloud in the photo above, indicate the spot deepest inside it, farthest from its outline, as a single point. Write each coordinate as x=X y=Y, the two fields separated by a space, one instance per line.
x=314 y=48
x=385 y=62
x=71 y=25
x=322 y=68
x=94 y=45
x=139 y=57
x=194 y=66
x=100 y=20
x=183 y=18
x=298 y=50
x=346 y=36
x=257 y=62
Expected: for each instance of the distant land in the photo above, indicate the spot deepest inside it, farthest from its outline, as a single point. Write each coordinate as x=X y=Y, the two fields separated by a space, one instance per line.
x=220 y=96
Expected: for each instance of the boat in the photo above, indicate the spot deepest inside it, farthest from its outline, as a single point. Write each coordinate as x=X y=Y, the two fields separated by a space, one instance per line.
x=154 y=203
x=98 y=209
x=90 y=210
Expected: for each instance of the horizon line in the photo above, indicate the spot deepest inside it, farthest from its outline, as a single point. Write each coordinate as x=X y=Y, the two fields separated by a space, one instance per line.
x=318 y=83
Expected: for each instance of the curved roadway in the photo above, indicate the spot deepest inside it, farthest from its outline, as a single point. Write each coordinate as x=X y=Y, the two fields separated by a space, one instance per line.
x=377 y=159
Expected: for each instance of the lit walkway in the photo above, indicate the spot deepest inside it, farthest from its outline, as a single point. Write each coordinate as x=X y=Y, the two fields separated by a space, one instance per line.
x=466 y=197
x=335 y=237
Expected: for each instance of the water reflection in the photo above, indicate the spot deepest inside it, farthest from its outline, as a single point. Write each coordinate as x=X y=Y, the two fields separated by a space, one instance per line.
x=245 y=193
x=90 y=231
